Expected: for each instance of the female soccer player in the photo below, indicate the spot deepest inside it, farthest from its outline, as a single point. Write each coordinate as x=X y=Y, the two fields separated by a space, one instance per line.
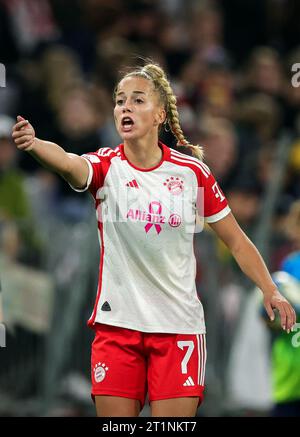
x=148 y=321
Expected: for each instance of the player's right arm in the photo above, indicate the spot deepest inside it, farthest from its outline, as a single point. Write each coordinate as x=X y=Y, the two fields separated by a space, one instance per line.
x=73 y=168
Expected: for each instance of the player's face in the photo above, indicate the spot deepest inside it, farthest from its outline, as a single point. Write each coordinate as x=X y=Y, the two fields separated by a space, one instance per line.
x=137 y=111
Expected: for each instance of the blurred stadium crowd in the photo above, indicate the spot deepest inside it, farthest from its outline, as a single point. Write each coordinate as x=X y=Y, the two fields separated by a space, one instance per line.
x=229 y=62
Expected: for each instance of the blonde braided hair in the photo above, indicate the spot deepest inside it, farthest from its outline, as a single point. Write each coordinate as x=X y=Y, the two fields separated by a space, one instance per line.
x=161 y=84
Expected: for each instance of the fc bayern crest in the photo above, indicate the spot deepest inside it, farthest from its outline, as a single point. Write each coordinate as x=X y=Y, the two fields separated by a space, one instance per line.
x=174 y=185
x=100 y=371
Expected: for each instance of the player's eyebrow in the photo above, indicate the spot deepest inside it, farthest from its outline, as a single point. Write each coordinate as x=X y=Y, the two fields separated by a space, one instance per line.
x=134 y=92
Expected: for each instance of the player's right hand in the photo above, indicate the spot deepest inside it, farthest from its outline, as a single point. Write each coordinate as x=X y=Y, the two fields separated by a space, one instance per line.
x=23 y=134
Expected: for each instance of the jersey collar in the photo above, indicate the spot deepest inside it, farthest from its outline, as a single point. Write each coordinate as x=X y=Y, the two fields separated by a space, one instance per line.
x=165 y=156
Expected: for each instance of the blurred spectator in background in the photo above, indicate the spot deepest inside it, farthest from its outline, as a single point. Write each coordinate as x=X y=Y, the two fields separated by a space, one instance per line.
x=206 y=32
x=222 y=153
x=79 y=121
x=245 y=202
x=285 y=355
x=221 y=149
x=15 y=207
x=289 y=228
x=217 y=91
x=31 y=23
x=264 y=73
x=60 y=71
x=13 y=200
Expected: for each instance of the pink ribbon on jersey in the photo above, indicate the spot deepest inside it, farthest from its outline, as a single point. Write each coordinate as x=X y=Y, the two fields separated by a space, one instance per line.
x=152 y=211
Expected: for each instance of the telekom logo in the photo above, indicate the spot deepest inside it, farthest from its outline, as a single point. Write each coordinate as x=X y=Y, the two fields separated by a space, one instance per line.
x=152 y=206
x=218 y=192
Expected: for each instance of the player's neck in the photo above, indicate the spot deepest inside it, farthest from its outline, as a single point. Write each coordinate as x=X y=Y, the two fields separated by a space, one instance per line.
x=143 y=153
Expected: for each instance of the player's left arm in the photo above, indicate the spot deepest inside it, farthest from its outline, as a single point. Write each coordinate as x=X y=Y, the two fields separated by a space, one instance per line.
x=253 y=265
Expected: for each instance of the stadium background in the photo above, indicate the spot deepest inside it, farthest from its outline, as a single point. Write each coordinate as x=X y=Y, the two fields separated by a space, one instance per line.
x=229 y=62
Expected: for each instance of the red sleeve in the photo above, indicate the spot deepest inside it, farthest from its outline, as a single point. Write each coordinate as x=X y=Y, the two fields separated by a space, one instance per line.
x=98 y=168
x=214 y=202
x=96 y=175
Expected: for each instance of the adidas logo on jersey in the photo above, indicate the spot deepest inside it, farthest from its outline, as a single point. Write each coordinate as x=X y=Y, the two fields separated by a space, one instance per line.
x=189 y=382
x=132 y=183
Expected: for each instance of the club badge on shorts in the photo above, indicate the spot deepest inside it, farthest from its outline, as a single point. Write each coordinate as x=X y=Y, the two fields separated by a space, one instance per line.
x=100 y=372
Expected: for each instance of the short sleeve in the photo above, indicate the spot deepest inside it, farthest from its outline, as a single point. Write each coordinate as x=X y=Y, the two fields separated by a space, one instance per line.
x=215 y=204
x=95 y=179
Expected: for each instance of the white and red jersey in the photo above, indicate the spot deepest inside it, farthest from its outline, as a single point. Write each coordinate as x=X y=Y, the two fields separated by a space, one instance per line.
x=146 y=223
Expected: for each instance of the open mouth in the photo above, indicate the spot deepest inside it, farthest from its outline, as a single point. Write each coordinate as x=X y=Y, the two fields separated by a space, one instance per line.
x=127 y=123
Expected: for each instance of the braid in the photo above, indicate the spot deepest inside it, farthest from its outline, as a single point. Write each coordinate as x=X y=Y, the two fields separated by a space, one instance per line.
x=156 y=74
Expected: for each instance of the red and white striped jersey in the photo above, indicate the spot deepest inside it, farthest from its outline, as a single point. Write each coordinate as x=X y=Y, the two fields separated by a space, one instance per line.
x=146 y=223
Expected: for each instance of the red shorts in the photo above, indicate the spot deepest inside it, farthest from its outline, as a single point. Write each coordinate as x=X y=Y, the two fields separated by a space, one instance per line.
x=128 y=363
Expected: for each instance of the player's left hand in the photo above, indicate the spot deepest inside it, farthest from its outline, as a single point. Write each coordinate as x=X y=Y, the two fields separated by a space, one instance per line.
x=275 y=300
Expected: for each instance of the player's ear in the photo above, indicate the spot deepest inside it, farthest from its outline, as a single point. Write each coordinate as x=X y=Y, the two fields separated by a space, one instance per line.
x=160 y=116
